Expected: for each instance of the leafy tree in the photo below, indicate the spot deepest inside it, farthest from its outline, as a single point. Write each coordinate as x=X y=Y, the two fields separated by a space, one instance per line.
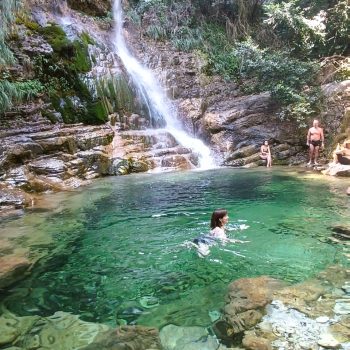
x=338 y=29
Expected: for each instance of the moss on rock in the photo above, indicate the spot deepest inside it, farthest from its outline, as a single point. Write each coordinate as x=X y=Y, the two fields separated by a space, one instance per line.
x=98 y=8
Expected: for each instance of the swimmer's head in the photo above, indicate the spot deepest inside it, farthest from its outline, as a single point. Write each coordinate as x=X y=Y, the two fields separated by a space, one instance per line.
x=266 y=143
x=219 y=218
x=315 y=123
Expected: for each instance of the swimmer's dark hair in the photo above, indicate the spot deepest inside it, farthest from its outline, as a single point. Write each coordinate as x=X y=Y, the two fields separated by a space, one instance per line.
x=216 y=217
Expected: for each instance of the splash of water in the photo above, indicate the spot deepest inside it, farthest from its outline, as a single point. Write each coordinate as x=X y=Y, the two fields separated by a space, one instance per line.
x=158 y=105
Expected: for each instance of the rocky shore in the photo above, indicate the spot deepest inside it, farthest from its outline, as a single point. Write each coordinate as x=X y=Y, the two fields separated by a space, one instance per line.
x=261 y=313
x=37 y=156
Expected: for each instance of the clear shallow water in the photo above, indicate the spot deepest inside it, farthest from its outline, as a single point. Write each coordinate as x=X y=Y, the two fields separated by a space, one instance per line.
x=125 y=239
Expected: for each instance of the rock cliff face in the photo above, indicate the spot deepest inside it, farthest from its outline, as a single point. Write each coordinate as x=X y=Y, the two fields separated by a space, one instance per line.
x=91 y=7
x=235 y=124
x=37 y=156
x=39 y=153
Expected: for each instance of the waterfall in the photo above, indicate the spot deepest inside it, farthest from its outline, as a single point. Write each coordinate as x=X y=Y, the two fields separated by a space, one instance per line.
x=158 y=104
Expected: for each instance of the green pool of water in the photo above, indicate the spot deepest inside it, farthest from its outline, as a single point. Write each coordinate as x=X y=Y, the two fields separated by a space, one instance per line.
x=125 y=256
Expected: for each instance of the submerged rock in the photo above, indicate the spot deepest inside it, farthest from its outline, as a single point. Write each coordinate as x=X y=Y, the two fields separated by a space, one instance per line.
x=128 y=314
x=341 y=232
x=149 y=302
x=127 y=337
x=255 y=342
x=190 y=338
x=12 y=327
x=246 y=300
x=59 y=331
x=12 y=268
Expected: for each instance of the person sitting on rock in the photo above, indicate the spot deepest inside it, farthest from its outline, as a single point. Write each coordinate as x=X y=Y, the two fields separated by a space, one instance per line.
x=342 y=153
x=265 y=153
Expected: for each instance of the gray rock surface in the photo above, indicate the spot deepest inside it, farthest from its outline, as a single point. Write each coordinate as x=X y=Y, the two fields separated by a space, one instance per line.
x=190 y=338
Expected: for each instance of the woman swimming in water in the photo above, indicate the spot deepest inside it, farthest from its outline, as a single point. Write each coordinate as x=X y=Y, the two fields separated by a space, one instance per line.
x=219 y=219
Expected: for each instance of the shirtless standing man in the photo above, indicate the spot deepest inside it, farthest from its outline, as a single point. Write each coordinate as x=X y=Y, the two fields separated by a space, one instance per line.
x=315 y=140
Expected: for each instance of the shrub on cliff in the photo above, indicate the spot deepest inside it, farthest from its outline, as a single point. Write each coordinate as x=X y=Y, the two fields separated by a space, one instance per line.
x=291 y=82
x=11 y=91
x=18 y=91
x=263 y=45
x=8 y=10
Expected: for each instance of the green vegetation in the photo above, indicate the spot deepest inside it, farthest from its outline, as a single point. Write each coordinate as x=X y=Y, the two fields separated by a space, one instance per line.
x=59 y=77
x=73 y=53
x=22 y=18
x=12 y=91
x=274 y=46
x=115 y=95
x=61 y=74
x=263 y=45
x=19 y=91
x=8 y=10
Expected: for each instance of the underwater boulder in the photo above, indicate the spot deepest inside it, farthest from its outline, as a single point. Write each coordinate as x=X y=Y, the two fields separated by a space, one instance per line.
x=190 y=338
x=127 y=337
x=341 y=233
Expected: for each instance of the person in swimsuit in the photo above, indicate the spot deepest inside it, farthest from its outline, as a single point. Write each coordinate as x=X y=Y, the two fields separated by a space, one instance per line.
x=315 y=140
x=219 y=219
x=265 y=153
x=342 y=153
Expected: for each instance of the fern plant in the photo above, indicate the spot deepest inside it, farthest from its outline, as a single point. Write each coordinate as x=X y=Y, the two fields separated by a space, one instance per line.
x=14 y=92
x=8 y=9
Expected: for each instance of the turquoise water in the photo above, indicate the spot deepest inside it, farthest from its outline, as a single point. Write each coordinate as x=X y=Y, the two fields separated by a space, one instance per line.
x=126 y=257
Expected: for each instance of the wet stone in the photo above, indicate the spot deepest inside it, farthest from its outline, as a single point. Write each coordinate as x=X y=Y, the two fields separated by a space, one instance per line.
x=149 y=302
x=329 y=342
x=342 y=307
x=130 y=314
x=12 y=268
x=126 y=337
x=190 y=338
x=341 y=232
x=48 y=167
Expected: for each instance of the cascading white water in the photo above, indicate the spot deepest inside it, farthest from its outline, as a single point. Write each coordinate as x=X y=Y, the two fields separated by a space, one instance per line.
x=158 y=105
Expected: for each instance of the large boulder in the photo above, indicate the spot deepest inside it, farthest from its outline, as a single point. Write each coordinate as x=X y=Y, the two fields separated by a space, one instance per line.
x=337 y=170
x=190 y=338
x=13 y=198
x=245 y=305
